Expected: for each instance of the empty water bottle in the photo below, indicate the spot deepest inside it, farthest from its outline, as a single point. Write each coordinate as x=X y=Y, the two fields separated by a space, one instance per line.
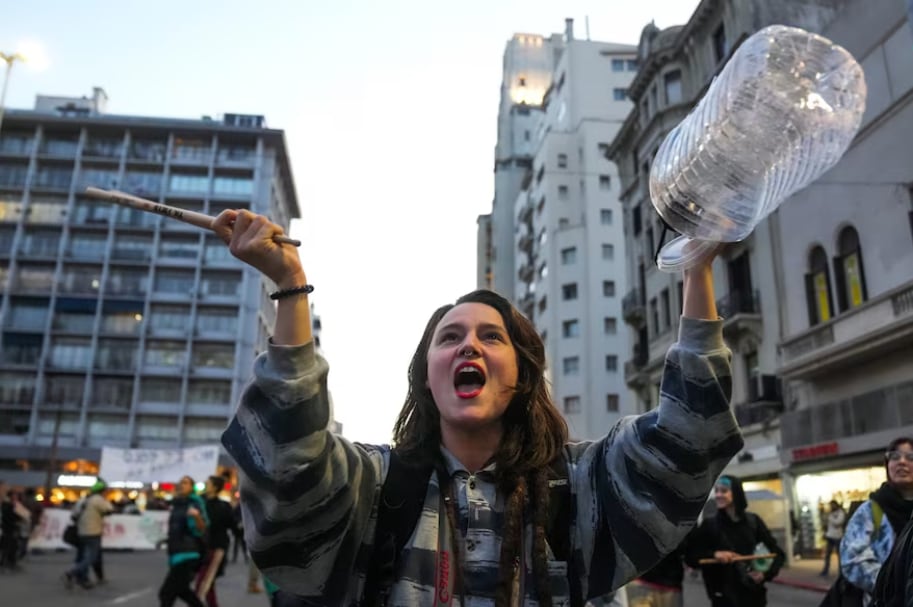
x=783 y=111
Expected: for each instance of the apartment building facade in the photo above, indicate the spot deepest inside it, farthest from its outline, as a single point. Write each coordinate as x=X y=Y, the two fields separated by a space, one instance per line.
x=815 y=388
x=528 y=65
x=564 y=228
x=119 y=327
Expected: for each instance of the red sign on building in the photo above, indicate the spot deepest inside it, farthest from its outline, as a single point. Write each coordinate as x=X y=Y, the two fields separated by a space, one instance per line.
x=815 y=451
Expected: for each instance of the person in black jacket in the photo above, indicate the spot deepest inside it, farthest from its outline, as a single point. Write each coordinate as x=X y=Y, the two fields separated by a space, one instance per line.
x=894 y=584
x=661 y=586
x=186 y=545
x=731 y=533
x=221 y=522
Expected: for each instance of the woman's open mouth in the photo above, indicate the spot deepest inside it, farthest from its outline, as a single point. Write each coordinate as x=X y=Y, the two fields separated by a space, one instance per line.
x=468 y=380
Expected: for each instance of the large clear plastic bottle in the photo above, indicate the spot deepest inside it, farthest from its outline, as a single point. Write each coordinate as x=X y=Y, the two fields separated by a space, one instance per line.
x=783 y=111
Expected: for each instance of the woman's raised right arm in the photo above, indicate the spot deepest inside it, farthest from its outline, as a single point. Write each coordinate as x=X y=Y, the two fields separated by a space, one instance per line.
x=306 y=495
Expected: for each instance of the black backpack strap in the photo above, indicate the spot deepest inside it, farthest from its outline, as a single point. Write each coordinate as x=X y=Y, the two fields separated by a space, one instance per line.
x=402 y=498
x=562 y=515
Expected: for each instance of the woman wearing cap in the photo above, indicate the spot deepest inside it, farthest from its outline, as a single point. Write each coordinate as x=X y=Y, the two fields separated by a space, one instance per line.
x=89 y=516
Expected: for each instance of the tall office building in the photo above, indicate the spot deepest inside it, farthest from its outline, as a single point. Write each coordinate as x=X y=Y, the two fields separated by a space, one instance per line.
x=529 y=63
x=119 y=327
x=563 y=229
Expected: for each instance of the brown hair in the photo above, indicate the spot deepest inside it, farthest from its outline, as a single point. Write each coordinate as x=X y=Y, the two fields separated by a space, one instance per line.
x=534 y=435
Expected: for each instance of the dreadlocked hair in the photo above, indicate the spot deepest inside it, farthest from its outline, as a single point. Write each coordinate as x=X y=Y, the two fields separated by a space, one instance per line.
x=446 y=487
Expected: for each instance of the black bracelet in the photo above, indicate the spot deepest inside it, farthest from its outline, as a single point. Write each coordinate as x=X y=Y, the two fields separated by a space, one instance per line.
x=293 y=291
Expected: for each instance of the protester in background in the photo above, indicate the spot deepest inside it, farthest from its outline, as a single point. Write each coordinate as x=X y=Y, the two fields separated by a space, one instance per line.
x=187 y=526
x=661 y=586
x=221 y=521
x=31 y=503
x=88 y=515
x=871 y=530
x=238 y=533
x=894 y=585
x=836 y=519
x=9 y=529
x=734 y=532
x=479 y=416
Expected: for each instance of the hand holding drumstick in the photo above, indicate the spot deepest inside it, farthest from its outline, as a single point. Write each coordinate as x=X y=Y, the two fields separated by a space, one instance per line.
x=192 y=217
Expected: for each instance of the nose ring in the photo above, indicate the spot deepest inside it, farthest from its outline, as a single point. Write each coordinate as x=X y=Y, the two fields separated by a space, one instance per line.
x=468 y=351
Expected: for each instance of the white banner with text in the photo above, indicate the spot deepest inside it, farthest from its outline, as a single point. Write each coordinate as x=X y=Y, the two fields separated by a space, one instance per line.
x=158 y=465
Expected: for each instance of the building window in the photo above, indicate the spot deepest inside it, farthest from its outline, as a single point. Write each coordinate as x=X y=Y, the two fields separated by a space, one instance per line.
x=605 y=217
x=848 y=270
x=570 y=328
x=720 y=46
x=818 y=288
x=608 y=288
x=563 y=223
x=562 y=161
x=159 y=390
x=165 y=354
x=219 y=356
x=209 y=392
x=672 y=83
x=605 y=182
x=654 y=316
x=619 y=94
x=618 y=65
x=609 y=325
x=608 y=251
x=611 y=362
x=612 y=403
x=543 y=271
x=562 y=192
x=636 y=221
x=543 y=304
x=569 y=291
x=571 y=365
x=632 y=65
x=569 y=256
x=665 y=308
x=572 y=404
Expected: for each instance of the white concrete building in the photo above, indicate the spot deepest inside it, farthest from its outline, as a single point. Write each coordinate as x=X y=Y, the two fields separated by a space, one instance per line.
x=565 y=231
x=529 y=61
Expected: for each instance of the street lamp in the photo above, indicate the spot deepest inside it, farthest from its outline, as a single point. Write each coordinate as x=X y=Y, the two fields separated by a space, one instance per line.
x=9 y=58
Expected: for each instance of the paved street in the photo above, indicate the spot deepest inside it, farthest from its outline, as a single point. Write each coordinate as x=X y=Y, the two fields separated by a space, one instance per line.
x=135 y=578
x=134 y=581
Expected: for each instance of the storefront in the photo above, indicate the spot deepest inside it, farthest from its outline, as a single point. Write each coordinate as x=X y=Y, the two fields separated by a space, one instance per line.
x=814 y=492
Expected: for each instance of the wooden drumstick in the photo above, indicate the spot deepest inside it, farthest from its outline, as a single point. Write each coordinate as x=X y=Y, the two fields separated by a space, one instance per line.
x=741 y=557
x=192 y=217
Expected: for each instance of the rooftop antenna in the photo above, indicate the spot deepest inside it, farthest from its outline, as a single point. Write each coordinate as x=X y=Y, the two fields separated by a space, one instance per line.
x=586 y=21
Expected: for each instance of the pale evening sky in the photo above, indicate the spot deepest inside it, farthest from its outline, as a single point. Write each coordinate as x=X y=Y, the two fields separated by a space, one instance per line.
x=390 y=116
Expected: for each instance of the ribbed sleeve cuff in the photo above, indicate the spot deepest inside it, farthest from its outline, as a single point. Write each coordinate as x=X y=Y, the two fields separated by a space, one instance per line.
x=287 y=362
x=700 y=335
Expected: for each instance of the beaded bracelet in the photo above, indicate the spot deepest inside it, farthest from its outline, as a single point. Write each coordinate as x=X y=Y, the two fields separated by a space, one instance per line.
x=292 y=291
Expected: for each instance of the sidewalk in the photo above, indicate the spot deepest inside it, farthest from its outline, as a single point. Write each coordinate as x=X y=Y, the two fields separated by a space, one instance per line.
x=805 y=574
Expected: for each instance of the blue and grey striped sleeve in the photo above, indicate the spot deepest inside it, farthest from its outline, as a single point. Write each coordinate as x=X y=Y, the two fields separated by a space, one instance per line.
x=648 y=479
x=307 y=496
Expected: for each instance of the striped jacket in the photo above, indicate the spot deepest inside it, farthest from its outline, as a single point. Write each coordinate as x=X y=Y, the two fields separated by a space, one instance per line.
x=309 y=498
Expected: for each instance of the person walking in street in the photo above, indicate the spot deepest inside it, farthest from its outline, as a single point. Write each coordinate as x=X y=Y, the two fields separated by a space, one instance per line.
x=9 y=529
x=221 y=522
x=238 y=534
x=36 y=511
x=661 y=586
x=730 y=535
x=89 y=516
x=187 y=524
x=480 y=424
x=873 y=527
x=836 y=519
